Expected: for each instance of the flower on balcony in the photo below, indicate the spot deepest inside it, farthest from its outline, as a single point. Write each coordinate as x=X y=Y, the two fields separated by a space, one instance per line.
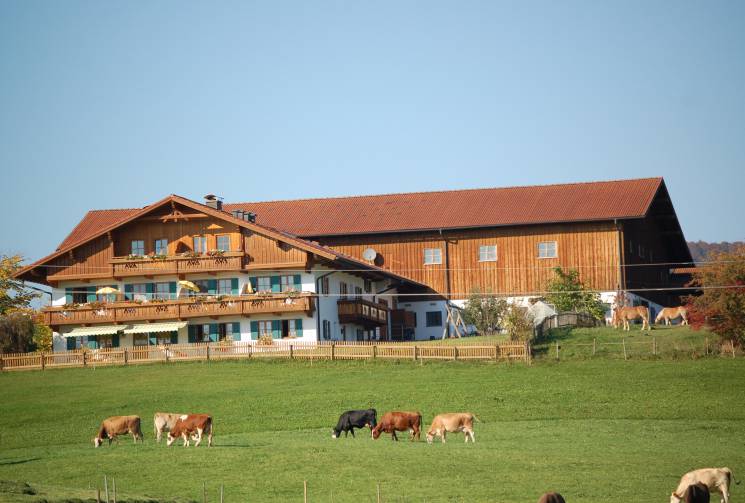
x=158 y=256
x=134 y=256
x=265 y=340
x=216 y=253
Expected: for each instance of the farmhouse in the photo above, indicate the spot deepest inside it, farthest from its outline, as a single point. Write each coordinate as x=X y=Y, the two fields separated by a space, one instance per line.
x=349 y=268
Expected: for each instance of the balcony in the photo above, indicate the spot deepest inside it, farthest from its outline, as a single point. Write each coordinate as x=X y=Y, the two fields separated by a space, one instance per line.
x=128 y=312
x=362 y=312
x=403 y=318
x=147 y=266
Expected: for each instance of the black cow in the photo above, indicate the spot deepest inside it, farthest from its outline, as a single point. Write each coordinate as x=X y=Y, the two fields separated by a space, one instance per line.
x=352 y=419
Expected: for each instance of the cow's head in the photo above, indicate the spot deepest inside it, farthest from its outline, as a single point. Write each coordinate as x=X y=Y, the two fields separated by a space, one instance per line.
x=170 y=438
x=674 y=498
x=335 y=433
x=376 y=432
x=97 y=441
x=430 y=437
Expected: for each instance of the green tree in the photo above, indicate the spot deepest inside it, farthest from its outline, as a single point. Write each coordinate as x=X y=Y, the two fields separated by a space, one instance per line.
x=20 y=328
x=518 y=325
x=484 y=311
x=13 y=295
x=568 y=293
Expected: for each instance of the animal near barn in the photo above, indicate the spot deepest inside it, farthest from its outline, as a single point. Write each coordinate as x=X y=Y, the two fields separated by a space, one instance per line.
x=349 y=268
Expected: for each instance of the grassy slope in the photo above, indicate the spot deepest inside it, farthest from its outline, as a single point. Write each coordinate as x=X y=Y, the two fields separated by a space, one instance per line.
x=598 y=431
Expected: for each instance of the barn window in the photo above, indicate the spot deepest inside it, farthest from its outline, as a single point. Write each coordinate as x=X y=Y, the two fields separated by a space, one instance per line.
x=547 y=249
x=138 y=247
x=434 y=318
x=488 y=253
x=432 y=256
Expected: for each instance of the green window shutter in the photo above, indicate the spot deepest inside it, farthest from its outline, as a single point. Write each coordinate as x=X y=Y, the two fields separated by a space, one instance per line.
x=234 y=286
x=150 y=289
x=254 y=283
x=276 y=329
x=254 y=330
x=236 y=331
x=93 y=342
x=296 y=281
x=299 y=327
x=172 y=289
x=115 y=341
x=214 y=331
x=152 y=338
x=128 y=292
x=174 y=337
x=192 y=334
x=68 y=300
x=212 y=286
x=70 y=343
x=91 y=294
x=276 y=283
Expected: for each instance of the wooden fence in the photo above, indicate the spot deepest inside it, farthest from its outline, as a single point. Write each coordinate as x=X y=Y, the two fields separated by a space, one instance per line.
x=299 y=350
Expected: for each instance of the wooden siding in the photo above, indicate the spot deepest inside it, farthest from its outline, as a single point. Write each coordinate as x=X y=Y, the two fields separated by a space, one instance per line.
x=179 y=234
x=87 y=261
x=266 y=253
x=591 y=248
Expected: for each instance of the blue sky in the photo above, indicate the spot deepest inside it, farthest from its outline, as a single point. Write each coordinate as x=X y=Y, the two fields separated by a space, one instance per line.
x=116 y=104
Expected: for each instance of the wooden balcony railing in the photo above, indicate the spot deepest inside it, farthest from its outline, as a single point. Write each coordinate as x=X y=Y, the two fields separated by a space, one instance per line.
x=125 y=266
x=403 y=318
x=362 y=311
x=118 y=312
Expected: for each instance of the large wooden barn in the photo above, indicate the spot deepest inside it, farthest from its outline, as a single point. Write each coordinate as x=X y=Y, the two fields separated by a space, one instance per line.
x=410 y=253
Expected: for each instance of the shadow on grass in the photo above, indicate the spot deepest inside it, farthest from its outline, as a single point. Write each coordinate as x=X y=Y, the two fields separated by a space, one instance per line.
x=18 y=461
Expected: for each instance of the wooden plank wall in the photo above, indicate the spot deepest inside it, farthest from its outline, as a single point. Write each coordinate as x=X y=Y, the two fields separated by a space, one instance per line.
x=179 y=234
x=264 y=250
x=88 y=259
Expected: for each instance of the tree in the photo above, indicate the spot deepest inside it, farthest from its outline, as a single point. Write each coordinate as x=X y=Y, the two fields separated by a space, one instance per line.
x=17 y=332
x=518 y=325
x=721 y=305
x=13 y=295
x=484 y=311
x=20 y=328
x=568 y=293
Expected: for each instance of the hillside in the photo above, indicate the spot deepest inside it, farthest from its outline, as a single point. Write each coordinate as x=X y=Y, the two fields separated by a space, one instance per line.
x=700 y=250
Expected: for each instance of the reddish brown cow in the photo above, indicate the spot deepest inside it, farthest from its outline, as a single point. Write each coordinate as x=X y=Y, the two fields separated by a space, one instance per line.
x=551 y=498
x=192 y=426
x=399 y=421
x=118 y=425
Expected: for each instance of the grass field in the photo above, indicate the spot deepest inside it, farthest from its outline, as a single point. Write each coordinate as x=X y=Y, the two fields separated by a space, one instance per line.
x=596 y=430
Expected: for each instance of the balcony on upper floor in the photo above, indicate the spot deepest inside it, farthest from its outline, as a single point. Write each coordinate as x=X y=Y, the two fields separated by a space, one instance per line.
x=362 y=312
x=210 y=307
x=151 y=265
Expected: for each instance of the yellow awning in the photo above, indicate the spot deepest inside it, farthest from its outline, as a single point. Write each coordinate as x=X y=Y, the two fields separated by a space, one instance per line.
x=98 y=330
x=144 y=328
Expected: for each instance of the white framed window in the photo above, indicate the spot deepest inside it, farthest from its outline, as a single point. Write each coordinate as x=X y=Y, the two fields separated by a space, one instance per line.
x=161 y=247
x=287 y=283
x=547 y=249
x=264 y=284
x=265 y=328
x=162 y=291
x=223 y=242
x=432 y=256
x=138 y=247
x=200 y=244
x=488 y=253
x=139 y=292
x=224 y=286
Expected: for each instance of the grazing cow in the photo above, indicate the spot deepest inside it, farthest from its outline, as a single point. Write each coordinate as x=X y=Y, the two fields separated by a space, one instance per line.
x=697 y=493
x=443 y=424
x=670 y=313
x=399 y=421
x=622 y=315
x=718 y=479
x=552 y=498
x=191 y=426
x=164 y=421
x=352 y=419
x=118 y=425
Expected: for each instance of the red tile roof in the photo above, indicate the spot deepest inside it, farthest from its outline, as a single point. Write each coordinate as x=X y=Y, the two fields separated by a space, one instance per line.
x=95 y=221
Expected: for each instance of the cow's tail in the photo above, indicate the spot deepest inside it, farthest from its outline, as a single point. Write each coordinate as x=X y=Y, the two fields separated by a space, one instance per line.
x=732 y=477
x=474 y=416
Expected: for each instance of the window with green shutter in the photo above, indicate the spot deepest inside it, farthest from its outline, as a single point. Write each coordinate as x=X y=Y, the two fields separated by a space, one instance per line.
x=70 y=343
x=254 y=330
x=254 y=284
x=152 y=338
x=236 y=331
x=150 y=290
x=212 y=286
x=214 y=332
x=91 y=297
x=234 y=286
x=276 y=329
x=276 y=283
x=298 y=283
x=298 y=328
x=192 y=329
x=128 y=292
x=115 y=341
x=92 y=342
x=172 y=287
x=174 y=337
x=69 y=300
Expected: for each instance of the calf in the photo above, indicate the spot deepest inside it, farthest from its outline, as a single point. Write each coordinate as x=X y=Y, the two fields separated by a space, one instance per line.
x=352 y=419
x=191 y=426
x=399 y=421
x=443 y=424
x=164 y=421
x=552 y=498
x=718 y=479
x=118 y=425
x=697 y=493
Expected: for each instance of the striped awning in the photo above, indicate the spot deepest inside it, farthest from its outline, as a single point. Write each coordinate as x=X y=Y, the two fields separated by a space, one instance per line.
x=98 y=330
x=144 y=328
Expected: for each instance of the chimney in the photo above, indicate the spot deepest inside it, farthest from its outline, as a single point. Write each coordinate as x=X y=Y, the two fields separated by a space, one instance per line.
x=213 y=201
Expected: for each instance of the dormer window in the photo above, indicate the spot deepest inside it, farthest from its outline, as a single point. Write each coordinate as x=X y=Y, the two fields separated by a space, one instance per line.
x=200 y=244
x=138 y=247
x=161 y=247
x=223 y=242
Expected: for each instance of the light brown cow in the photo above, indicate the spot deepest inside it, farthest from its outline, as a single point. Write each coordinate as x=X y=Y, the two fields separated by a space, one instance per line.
x=164 y=421
x=453 y=422
x=630 y=313
x=392 y=422
x=551 y=498
x=716 y=479
x=191 y=426
x=118 y=425
x=670 y=313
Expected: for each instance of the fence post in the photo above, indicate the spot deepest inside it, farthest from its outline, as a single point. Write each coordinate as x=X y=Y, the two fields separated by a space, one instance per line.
x=375 y=351
x=43 y=364
x=333 y=351
x=415 y=352
x=165 y=353
x=85 y=358
x=455 y=353
x=2 y=363
x=496 y=352
x=624 y=347
x=208 y=352
x=126 y=356
x=292 y=356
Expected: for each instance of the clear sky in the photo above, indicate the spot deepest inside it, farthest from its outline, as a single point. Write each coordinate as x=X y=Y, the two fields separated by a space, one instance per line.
x=117 y=104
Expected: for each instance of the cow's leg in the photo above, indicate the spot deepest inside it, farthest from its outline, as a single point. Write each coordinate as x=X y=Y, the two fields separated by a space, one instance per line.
x=393 y=435
x=185 y=436
x=351 y=430
x=199 y=437
x=724 y=490
x=209 y=438
x=443 y=435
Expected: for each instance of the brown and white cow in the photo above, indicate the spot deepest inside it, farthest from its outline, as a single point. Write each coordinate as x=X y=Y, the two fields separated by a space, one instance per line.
x=670 y=313
x=622 y=316
x=453 y=422
x=551 y=498
x=164 y=421
x=113 y=426
x=391 y=422
x=191 y=426
x=716 y=479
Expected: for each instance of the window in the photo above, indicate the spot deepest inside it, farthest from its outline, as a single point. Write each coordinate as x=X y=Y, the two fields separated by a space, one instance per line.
x=224 y=286
x=162 y=291
x=141 y=339
x=265 y=328
x=80 y=295
x=432 y=256
x=203 y=333
x=264 y=284
x=368 y=286
x=324 y=286
x=139 y=292
x=161 y=247
x=342 y=290
x=287 y=283
x=547 y=249
x=223 y=242
x=434 y=318
x=326 y=329
x=138 y=247
x=225 y=331
x=357 y=292
x=488 y=253
x=200 y=244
